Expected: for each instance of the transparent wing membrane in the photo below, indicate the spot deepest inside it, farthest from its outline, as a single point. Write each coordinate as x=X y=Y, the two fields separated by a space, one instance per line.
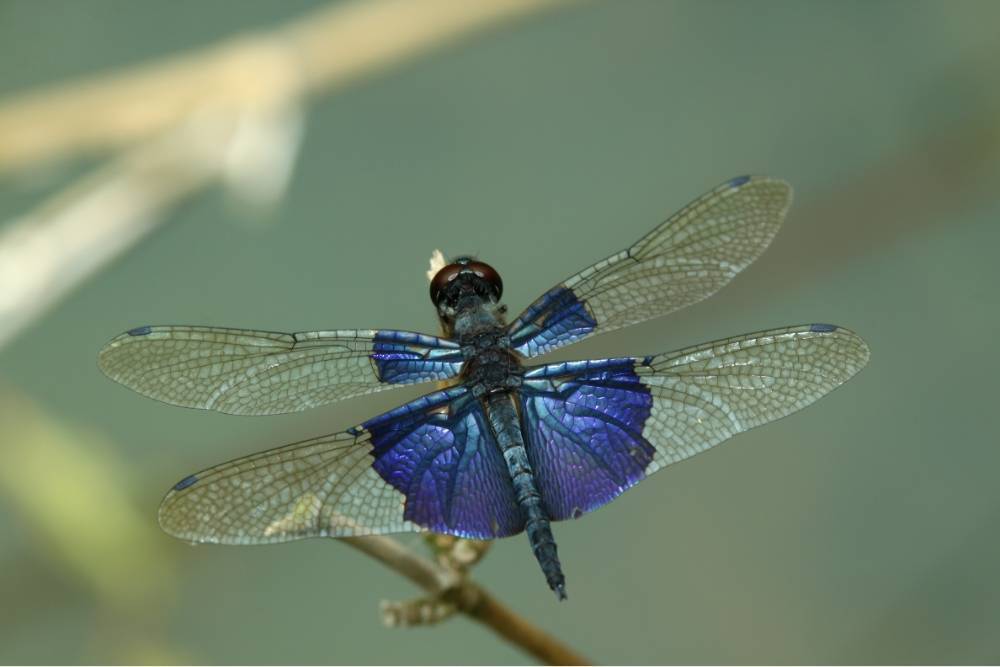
x=245 y=372
x=320 y=487
x=689 y=257
x=706 y=394
x=598 y=427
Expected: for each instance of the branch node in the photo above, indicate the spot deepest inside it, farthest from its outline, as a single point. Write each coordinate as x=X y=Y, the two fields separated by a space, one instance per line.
x=422 y=611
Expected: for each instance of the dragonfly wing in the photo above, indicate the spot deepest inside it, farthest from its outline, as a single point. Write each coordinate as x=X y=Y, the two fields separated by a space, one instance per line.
x=320 y=487
x=430 y=464
x=597 y=427
x=448 y=465
x=584 y=429
x=245 y=372
x=689 y=257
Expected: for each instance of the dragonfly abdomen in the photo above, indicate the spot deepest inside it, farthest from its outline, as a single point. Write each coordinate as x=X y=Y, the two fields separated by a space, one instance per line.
x=506 y=428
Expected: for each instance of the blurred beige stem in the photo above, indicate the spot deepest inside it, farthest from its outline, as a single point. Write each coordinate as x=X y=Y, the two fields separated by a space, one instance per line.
x=46 y=253
x=231 y=112
x=469 y=597
x=319 y=52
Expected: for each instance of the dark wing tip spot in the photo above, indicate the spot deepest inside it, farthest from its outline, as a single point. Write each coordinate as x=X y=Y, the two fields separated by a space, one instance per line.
x=140 y=331
x=822 y=328
x=185 y=483
x=738 y=181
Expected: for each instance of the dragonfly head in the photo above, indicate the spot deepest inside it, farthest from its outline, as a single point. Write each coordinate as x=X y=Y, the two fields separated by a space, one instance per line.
x=465 y=281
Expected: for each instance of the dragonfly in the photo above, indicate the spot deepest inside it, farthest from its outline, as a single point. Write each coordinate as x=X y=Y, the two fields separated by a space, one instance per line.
x=504 y=444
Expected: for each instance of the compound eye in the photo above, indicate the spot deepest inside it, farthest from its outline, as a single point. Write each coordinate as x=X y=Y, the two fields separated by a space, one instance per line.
x=486 y=273
x=441 y=280
x=489 y=274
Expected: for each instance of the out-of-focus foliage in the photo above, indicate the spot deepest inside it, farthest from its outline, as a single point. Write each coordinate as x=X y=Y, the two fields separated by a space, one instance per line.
x=861 y=530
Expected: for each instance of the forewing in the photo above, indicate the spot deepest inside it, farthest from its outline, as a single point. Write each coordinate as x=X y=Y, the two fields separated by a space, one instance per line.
x=689 y=257
x=598 y=427
x=245 y=372
x=430 y=464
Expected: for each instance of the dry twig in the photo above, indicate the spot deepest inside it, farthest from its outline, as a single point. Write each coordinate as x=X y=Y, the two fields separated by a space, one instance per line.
x=451 y=588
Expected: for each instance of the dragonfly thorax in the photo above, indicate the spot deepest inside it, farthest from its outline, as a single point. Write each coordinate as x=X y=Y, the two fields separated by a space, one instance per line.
x=490 y=363
x=491 y=370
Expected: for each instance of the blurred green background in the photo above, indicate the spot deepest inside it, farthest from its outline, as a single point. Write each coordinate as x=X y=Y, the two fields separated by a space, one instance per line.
x=863 y=529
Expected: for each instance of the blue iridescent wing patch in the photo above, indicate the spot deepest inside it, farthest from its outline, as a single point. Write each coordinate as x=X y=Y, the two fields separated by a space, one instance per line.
x=558 y=318
x=689 y=257
x=584 y=424
x=244 y=372
x=597 y=427
x=430 y=464
x=440 y=453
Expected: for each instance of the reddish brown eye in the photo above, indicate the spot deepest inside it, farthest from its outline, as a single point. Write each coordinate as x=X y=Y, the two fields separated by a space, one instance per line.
x=441 y=280
x=489 y=274
x=470 y=267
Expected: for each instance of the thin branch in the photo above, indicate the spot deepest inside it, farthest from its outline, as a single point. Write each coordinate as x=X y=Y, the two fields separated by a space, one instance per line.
x=49 y=251
x=391 y=553
x=470 y=599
